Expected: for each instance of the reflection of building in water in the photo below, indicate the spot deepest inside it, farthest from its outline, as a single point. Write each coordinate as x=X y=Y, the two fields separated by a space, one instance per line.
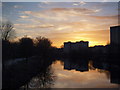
x=81 y=65
x=112 y=68
x=101 y=65
x=115 y=37
x=115 y=74
x=68 y=46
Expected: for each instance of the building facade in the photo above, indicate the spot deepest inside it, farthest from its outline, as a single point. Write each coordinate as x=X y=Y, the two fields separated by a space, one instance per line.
x=68 y=46
x=115 y=35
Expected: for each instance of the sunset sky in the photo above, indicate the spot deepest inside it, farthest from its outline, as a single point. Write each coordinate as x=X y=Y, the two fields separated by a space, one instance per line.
x=63 y=21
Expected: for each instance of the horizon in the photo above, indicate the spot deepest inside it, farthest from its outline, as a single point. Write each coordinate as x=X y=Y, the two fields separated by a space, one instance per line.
x=63 y=21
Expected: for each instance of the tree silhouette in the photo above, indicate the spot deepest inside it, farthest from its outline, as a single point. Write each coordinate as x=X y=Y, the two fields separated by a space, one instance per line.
x=7 y=31
x=43 y=45
x=26 y=47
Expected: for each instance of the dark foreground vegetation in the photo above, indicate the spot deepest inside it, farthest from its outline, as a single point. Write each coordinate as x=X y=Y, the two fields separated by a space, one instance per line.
x=27 y=47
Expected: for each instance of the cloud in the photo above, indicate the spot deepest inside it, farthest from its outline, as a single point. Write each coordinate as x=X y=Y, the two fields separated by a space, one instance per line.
x=75 y=4
x=56 y=15
x=26 y=12
x=74 y=11
x=106 y=17
x=79 y=3
x=17 y=6
x=46 y=15
x=32 y=26
x=64 y=27
x=98 y=10
x=61 y=12
x=24 y=17
x=40 y=6
x=68 y=24
x=45 y=2
x=82 y=3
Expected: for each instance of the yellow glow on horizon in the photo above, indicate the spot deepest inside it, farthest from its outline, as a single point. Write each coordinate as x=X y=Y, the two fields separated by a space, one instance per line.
x=91 y=43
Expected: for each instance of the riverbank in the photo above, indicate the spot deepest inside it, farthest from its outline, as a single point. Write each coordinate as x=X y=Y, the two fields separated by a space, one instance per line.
x=20 y=72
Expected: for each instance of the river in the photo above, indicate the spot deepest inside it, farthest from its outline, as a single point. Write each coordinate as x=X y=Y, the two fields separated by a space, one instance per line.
x=66 y=74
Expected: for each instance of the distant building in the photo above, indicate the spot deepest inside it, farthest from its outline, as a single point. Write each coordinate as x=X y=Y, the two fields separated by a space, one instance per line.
x=100 y=48
x=115 y=35
x=68 y=46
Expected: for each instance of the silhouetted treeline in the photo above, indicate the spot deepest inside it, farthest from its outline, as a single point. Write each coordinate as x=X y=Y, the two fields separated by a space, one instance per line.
x=27 y=47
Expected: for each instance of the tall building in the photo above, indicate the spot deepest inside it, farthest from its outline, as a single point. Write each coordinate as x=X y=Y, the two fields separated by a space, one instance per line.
x=68 y=46
x=115 y=35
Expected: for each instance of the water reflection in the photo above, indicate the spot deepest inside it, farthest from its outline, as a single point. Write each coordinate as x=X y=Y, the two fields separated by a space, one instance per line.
x=112 y=67
x=20 y=74
x=78 y=65
x=115 y=74
x=77 y=74
x=42 y=80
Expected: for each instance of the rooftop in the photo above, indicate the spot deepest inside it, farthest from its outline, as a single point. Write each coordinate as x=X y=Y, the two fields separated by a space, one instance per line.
x=115 y=27
x=77 y=42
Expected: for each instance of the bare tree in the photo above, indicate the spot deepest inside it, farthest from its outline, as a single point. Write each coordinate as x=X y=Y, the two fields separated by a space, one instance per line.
x=6 y=30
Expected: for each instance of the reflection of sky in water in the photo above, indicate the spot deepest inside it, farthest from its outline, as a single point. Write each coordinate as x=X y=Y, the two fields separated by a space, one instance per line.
x=77 y=79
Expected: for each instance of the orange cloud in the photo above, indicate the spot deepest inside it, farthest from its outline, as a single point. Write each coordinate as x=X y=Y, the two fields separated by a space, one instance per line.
x=68 y=24
x=106 y=17
x=23 y=17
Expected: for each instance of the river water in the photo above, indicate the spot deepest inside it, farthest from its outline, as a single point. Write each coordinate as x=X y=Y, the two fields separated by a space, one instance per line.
x=80 y=75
